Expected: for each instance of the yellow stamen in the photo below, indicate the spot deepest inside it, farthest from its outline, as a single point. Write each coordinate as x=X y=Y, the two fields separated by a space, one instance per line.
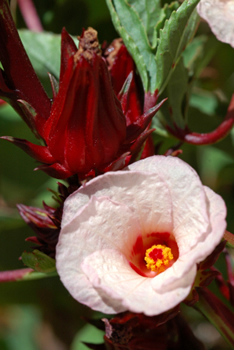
x=158 y=257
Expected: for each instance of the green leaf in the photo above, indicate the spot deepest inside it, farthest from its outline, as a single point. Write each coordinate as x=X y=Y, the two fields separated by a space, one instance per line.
x=165 y=14
x=158 y=125
x=174 y=110
x=199 y=52
x=204 y=101
x=39 y=261
x=194 y=50
x=211 y=161
x=9 y=114
x=149 y=11
x=10 y=220
x=129 y=25
x=23 y=321
x=174 y=37
x=43 y=50
x=87 y=334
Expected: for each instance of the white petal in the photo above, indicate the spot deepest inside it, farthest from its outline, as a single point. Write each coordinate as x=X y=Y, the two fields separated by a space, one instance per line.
x=146 y=194
x=218 y=212
x=103 y=219
x=184 y=265
x=102 y=224
x=220 y=16
x=189 y=205
x=109 y=273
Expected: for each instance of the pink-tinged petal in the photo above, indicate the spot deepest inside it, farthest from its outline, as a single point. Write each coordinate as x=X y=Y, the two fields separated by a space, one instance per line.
x=101 y=224
x=181 y=274
x=190 y=212
x=109 y=224
x=40 y=153
x=109 y=273
x=111 y=221
x=219 y=15
x=96 y=243
x=203 y=248
x=153 y=209
x=217 y=214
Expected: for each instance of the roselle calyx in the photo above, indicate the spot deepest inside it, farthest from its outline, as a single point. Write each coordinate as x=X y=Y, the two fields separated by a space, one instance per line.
x=86 y=131
x=86 y=126
x=134 y=100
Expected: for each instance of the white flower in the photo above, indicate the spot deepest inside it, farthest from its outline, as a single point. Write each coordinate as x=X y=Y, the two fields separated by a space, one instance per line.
x=220 y=16
x=110 y=224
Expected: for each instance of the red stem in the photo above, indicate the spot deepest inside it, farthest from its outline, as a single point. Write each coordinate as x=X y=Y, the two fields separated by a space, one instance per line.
x=30 y=15
x=14 y=275
x=209 y=138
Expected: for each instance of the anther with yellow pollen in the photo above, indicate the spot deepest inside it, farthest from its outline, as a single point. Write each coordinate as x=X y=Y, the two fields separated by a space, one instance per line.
x=158 y=258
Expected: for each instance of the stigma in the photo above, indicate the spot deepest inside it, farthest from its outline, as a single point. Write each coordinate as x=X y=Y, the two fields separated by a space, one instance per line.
x=158 y=258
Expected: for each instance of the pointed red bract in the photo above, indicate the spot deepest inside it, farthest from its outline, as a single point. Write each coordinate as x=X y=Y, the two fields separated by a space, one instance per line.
x=86 y=131
x=46 y=224
x=68 y=49
x=40 y=153
x=128 y=88
x=19 y=75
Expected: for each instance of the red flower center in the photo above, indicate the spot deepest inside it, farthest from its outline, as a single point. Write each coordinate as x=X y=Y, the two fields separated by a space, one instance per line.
x=153 y=253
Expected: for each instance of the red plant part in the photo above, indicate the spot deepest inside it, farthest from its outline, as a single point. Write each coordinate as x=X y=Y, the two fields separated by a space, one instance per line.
x=128 y=87
x=217 y=135
x=85 y=132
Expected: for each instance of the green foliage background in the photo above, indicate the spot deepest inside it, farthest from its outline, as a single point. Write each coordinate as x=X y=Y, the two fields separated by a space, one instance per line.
x=31 y=311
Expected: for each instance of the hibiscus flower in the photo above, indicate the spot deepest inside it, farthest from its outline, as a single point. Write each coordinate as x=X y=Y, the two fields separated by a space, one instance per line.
x=132 y=239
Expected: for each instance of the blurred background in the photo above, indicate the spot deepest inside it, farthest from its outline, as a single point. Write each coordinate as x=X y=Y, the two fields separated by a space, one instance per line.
x=40 y=314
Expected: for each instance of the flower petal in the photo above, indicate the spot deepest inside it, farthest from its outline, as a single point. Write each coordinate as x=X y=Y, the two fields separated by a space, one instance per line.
x=189 y=205
x=104 y=220
x=146 y=195
x=102 y=224
x=219 y=15
x=109 y=272
x=184 y=265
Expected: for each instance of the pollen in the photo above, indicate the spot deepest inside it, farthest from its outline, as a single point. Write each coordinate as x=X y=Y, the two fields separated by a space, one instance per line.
x=158 y=258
